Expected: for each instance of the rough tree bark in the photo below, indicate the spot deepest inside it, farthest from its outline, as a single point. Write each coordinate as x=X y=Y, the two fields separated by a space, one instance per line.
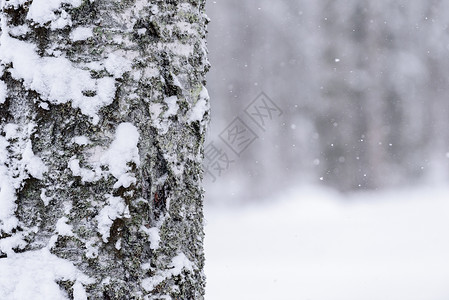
x=103 y=113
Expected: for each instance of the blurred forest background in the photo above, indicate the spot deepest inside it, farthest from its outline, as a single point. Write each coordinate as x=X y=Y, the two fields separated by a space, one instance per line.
x=363 y=86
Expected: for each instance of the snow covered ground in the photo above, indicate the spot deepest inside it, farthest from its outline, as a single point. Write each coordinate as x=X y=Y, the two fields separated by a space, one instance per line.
x=319 y=245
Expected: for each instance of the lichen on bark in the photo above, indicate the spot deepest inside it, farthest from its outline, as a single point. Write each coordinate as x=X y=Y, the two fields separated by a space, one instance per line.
x=151 y=51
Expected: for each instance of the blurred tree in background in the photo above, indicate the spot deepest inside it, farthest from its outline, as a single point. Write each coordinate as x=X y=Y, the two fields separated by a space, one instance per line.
x=363 y=84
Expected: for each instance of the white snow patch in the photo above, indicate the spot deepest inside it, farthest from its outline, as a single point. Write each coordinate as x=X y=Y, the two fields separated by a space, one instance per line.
x=155 y=110
x=146 y=266
x=115 y=208
x=3 y=92
x=81 y=33
x=153 y=236
x=85 y=174
x=13 y=3
x=118 y=244
x=117 y=64
x=13 y=242
x=19 y=30
x=11 y=130
x=172 y=106
x=94 y=155
x=123 y=150
x=186 y=28
x=8 y=221
x=141 y=31
x=44 y=105
x=312 y=243
x=13 y=171
x=62 y=228
x=44 y=197
x=178 y=263
x=62 y=21
x=33 y=164
x=79 y=293
x=42 y=11
x=55 y=78
x=125 y=180
x=91 y=249
x=52 y=242
x=201 y=107
x=160 y=113
x=176 y=166
x=176 y=82
x=33 y=275
x=151 y=71
x=81 y=140
x=177 y=48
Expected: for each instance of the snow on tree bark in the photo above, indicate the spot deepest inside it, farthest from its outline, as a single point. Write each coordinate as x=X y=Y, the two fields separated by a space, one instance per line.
x=103 y=114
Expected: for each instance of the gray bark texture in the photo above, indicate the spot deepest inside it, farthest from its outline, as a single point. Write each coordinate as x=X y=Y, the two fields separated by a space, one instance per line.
x=101 y=79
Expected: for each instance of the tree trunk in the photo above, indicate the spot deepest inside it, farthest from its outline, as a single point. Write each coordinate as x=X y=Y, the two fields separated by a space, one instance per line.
x=103 y=114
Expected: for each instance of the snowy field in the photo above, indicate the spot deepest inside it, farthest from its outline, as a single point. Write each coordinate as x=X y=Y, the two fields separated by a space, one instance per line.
x=319 y=245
